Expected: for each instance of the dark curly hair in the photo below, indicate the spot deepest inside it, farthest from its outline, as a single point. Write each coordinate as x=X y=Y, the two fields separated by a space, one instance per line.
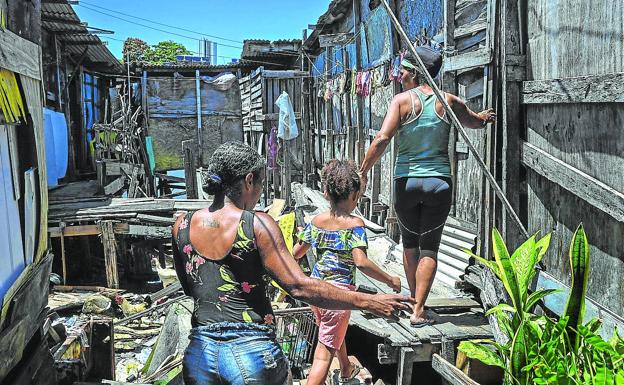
x=340 y=178
x=230 y=164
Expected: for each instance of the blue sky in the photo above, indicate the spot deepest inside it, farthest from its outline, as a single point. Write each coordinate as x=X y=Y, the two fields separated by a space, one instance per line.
x=231 y=19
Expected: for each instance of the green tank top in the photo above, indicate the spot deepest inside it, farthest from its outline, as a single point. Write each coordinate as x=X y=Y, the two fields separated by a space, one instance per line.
x=423 y=142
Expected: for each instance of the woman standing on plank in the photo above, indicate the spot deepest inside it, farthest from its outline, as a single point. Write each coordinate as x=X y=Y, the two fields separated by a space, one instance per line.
x=222 y=254
x=422 y=174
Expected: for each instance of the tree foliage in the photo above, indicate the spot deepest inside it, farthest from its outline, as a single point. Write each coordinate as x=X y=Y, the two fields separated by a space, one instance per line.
x=165 y=51
x=134 y=50
x=138 y=51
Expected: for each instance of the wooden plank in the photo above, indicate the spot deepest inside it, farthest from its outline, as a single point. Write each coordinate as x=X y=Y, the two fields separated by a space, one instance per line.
x=271 y=116
x=115 y=186
x=162 y=232
x=556 y=303
x=472 y=59
x=586 y=187
x=449 y=372
x=471 y=28
x=451 y=303
x=608 y=88
x=359 y=320
x=190 y=169
x=110 y=254
x=330 y=40
x=283 y=74
x=19 y=55
x=119 y=168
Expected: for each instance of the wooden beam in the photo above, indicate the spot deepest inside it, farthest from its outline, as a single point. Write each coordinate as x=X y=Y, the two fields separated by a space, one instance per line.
x=607 y=88
x=334 y=39
x=477 y=58
x=586 y=187
x=449 y=372
x=190 y=169
x=19 y=55
x=271 y=116
x=110 y=254
x=119 y=168
x=283 y=74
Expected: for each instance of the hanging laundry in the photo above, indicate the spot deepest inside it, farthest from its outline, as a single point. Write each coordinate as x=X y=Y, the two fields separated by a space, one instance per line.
x=358 y=83
x=272 y=149
x=366 y=83
x=354 y=82
x=287 y=127
x=347 y=85
x=321 y=88
x=342 y=83
x=397 y=67
x=328 y=90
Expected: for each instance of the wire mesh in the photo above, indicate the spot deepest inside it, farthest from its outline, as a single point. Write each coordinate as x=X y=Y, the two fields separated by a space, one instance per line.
x=296 y=333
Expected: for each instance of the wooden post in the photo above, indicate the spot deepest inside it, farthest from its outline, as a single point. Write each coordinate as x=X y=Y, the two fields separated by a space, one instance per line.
x=361 y=136
x=405 y=366
x=190 y=169
x=199 y=116
x=487 y=210
x=63 y=260
x=449 y=84
x=329 y=116
x=511 y=117
x=110 y=254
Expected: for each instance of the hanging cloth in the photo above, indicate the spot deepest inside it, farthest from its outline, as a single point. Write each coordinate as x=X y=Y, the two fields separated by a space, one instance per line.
x=287 y=128
x=328 y=90
x=272 y=149
x=354 y=83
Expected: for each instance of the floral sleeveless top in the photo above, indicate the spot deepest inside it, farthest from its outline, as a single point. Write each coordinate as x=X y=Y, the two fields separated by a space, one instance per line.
x=231 y=289
x=333 y=252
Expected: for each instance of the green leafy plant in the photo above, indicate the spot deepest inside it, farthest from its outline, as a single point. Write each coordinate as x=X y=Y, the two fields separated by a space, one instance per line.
x=539 y=349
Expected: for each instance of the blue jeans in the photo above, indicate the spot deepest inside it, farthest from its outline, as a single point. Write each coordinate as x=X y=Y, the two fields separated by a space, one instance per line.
x=234 y=353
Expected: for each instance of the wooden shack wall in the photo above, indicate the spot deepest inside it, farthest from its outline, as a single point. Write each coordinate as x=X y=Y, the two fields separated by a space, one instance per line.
x=581 y=40
x=172 y=118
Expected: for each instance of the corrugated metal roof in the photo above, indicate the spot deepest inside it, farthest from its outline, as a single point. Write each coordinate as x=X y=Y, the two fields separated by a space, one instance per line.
x=62 y=20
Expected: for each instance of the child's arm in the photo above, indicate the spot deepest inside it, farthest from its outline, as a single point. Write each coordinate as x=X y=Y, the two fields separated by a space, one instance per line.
x=300 y=249
x=371 y=269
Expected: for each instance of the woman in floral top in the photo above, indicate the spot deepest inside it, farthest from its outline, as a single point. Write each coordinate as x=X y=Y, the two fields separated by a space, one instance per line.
x=221 y=255
x=339 y=242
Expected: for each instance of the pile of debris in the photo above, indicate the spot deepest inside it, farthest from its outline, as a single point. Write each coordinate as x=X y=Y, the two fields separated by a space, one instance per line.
x=98 y=333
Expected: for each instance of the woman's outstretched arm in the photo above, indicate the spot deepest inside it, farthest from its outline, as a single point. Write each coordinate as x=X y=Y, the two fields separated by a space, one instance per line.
x=284 y=269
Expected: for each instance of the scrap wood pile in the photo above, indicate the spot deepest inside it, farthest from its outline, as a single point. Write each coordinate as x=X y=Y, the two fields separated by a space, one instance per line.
x=137 y=338
x=122 y=151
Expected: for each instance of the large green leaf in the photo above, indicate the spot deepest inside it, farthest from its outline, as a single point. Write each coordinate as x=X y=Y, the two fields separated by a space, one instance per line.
x=542 y=246
x=487 y=263
x=508 y=276
x=500 y=307
x=579 y=264
x=536 y=296
x=481 y=353
x=518 y=354
x=523 y=261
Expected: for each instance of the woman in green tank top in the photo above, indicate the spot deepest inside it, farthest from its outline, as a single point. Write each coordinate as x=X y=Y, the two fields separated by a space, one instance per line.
x=422 y=174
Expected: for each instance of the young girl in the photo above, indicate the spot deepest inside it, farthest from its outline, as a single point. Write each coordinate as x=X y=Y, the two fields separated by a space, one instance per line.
x=339 y=242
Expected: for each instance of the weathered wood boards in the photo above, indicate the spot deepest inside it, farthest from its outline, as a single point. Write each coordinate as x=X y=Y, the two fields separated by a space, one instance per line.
x=607 y=88
x=19 y=55
x=577 y=182
x=110 y=254
x=472 y=59
x=449 y=372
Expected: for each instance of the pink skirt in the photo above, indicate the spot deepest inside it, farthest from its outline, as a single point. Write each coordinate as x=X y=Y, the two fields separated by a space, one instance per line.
x=332 y=324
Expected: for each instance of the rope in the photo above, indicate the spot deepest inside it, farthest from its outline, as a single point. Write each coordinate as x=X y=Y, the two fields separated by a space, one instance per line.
x=425 y=74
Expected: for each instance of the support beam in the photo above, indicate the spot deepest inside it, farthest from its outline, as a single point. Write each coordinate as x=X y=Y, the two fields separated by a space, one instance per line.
x=586 y=187
x=607 y=88
x=110 y=254
x=449 y=372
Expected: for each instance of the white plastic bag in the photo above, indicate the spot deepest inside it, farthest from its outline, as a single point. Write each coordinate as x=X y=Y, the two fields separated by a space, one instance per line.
x=287 y=127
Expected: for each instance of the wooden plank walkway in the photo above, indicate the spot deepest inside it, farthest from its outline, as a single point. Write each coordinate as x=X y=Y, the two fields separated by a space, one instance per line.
x=457 y=317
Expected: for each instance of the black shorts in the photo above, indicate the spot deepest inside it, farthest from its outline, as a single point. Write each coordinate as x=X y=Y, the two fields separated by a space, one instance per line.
x=422 y=206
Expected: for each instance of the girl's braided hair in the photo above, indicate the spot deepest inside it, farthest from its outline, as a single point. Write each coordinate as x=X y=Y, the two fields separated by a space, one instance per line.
x=340 y=178
x=229 y=164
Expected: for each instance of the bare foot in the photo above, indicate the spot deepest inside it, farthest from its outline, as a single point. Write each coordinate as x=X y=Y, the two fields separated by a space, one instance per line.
x=352 y=371
x=419 y=318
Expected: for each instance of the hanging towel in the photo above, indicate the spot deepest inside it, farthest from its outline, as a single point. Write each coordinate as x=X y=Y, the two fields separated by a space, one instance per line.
x=354 y=82
x=287 y=128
